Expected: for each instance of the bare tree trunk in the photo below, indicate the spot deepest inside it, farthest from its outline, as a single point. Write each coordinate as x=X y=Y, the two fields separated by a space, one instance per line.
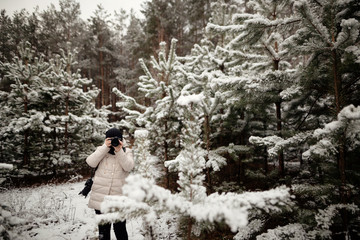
x=101 y=71
x=113 y=105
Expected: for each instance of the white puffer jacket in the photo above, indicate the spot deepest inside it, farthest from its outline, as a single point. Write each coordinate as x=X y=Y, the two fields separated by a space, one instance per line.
x=110 y=174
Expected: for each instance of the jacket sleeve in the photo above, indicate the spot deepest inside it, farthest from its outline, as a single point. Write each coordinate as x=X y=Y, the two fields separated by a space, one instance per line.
x=126 y=159
x=93 y=159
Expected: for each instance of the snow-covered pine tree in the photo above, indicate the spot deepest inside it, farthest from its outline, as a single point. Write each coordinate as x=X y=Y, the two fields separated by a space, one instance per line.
x=149 y=167
x=75 y=117
x=209 y=103
x=146 y=164
x=48 y=101
x=256 y=53
x=159 y=115
x=330 y=37
x=21 y=119
x=190 y=163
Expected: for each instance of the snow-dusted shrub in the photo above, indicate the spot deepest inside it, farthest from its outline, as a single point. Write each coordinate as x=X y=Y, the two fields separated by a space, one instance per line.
x=325 y=219
x=145 y=164
x=347 y=124
x=8 y=222
x=50 y=206
x=249 y=230
x=143 y=197
x=291 y=231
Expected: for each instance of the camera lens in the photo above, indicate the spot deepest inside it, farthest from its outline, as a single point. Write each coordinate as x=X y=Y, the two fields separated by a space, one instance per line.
x=115 y=142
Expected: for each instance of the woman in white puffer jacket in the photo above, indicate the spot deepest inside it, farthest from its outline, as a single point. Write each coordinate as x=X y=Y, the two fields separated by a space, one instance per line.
x=113 y=166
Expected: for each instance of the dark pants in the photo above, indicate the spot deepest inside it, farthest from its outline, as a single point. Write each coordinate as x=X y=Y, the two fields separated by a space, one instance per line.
x=119 y=229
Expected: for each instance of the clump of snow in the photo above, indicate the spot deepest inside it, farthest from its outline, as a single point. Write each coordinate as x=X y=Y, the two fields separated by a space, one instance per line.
x=186 y=100
x=6 y=166
x=142 y=133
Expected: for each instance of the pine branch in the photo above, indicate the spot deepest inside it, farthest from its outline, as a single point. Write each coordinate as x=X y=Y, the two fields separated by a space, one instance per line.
x=308 y=113
x=318 y=3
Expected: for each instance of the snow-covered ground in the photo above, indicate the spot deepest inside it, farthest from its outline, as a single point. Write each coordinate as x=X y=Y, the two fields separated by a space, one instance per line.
x=52 y=212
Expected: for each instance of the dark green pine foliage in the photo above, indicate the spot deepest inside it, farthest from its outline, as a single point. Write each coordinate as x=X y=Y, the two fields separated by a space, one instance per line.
x=184 y=20
x=49 y=123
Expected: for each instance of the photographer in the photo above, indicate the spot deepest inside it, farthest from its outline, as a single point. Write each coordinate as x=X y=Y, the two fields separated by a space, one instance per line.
x=113 y=162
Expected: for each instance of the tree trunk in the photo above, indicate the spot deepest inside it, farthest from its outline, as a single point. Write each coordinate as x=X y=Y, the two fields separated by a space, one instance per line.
x=66 y=123
x=278 y=105
x=339 y=105
x=26 y=157
x=166 y=157
x=207 y=140
x=101 y=71
x=189 y=228
x=279 y=122
x=337 y=83
x=279 y=129
x=266 y=164
x=113 y=106
x=190 y=221
x=67 y=112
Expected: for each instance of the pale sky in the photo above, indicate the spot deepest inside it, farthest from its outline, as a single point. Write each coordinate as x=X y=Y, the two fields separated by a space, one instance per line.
x=87 y=6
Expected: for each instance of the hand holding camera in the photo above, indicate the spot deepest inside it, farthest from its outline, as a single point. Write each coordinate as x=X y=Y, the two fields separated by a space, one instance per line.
x=115 y=142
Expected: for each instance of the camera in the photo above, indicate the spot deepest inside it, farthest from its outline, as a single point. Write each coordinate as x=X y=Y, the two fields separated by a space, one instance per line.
x=115 y=141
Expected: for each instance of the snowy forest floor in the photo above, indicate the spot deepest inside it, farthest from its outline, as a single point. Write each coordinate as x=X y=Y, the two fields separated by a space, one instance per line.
x=56 y=212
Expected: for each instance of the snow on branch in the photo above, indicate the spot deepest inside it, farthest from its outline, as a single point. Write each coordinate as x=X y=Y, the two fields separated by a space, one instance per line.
x=172 y=54
x=189 y=99
x=231 y=208
x=354 y=50
x=349 y=32
x=347 y=123
x=131 y=101
x=346 y=116
x=247 y=231
x=6 y=166
x=325 y=218
x=266 y=141
x=276 y=143
x=293 y=231
x=224 y=29
x=215 y=161
x=309 y=16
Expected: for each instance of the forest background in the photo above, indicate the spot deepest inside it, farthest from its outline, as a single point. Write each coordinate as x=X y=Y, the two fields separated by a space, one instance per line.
x=218 y=99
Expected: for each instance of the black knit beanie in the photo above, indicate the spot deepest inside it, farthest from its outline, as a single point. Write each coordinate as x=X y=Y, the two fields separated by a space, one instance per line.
x=113 y=132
